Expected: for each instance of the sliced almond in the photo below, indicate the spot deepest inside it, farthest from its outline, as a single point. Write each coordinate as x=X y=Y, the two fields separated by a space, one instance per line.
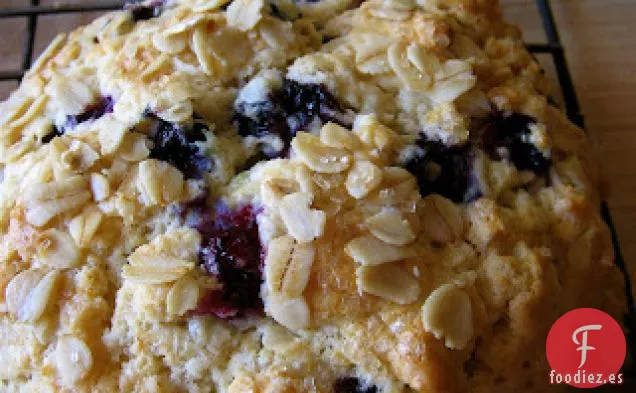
x=83 y=226
x=302 y=222
x=447 y=314
x=374 y=134
x=99 y=186
x=391 y=227
x=298 y=270
x=287 y=266
x=363 y=178
x=244 y=14
x=39 y=298
x=293 y=313
x=19 y=287
x=47 y=200
x=159 y=182
x=183 y=296
x=279 y=252
x=410 y=76
x=441 y=219
x=369 y=250
x=111 y=135
x=337 y=136
x=273 y=190
x=389 y=282
x=73 y=359
x=57 y=249
x=154 y=275
x=318 y=156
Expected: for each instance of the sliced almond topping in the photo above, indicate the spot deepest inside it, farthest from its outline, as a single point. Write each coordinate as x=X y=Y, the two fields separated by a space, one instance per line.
x=155 y=275
x=369 y=250
x=319 y=157
x=302 y=222
x=111 y=136
x=183 y=296
x=279 y=252
x=172 y=249
x=244 y=14
x=391 y=227
x=389 y=282
x=447 y=313
x=73 y=359
x=287 y=266
x=410 y=76
x=293 y=313
x=57 y=249
x=373 y=133
x=84 y=226
x=135 y=147
x=46 y=200
x=159 y=182
x=19 y=287
x=442 y=219
x=337 y=136
x=273 y=190
x=39 y=298
x=79 y=157
x=363 y=178
x=298 y=270
x=99 y=187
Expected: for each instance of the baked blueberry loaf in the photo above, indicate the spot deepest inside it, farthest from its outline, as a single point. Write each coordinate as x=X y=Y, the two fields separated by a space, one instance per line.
x=278 y=196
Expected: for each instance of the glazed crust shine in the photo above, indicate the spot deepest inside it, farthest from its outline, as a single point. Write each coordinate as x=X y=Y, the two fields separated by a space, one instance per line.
x=275 y=196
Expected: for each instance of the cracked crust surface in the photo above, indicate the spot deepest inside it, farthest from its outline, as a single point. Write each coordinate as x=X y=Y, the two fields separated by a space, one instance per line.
x=373 y=267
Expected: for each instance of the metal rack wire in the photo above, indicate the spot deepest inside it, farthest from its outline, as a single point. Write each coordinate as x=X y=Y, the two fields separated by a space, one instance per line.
x=552 y=47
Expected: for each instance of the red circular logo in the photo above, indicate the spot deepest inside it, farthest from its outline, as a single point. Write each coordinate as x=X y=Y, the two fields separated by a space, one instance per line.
x=585 y=348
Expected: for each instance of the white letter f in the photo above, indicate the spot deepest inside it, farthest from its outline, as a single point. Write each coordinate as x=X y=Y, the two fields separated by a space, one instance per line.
x=584 y=347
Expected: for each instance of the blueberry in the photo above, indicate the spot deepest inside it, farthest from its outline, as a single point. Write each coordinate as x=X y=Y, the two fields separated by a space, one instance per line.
x=232 y=252
x=54 y=132
x=444 y=170
x=92 y=112
x=175 y=145
x=352 y=385
x=505 y=136
x=286 y=111
x=145 y=12
x=448 y=170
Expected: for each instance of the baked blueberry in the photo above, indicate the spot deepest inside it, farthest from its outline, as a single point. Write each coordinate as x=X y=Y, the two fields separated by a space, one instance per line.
x=232 y=252
x=353 y=385
x=145 y=12
x=92 y=112
x=443 y=170
x=270 y=107
x=176 y=145
x=507 y=136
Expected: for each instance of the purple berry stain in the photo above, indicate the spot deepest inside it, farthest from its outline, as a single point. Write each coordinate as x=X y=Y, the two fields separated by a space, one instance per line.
x=287 y=111
x=176 y=145
x=231 y=251
x=352 y=385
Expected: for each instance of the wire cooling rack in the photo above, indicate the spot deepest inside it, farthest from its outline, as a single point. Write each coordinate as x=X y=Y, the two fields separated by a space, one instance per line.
x=553 y=47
